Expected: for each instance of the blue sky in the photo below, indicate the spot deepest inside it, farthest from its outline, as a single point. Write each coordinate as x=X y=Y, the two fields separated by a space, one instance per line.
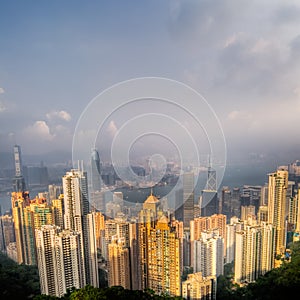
x=242 y=56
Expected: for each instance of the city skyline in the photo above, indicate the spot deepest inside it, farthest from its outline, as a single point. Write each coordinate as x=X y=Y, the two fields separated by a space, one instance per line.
x=182 y=250
x=56 y=57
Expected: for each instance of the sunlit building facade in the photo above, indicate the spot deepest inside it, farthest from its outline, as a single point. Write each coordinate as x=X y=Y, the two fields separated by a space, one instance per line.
x=199 y=287
x=278 y=184
x=59 y=260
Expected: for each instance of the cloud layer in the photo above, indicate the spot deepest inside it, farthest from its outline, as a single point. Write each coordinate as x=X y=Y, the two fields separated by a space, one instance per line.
x=242 y=56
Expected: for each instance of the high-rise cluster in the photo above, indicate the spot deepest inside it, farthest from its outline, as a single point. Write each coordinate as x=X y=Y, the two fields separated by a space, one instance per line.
x=175 y=251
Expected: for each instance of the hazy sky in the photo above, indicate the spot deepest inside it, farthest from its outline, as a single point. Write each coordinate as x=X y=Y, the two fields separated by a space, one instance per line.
x=243 y=57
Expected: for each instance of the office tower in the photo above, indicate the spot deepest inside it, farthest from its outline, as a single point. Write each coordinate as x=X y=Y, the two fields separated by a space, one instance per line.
x=211 y=184
x=95 y=171
x=199 y=287
x=254 y=195
x=236 y=202
x=59 y=260
x=58 y=211
x=278 y=184
x=188 y=199
x=37 y=175
x=226 y=201
x=208 y=201
x=134 y=254
x=118 y=263
x=208 y=255
x=76 y=210
x=254 y=252
x=19 y=182
x=98 y=201
x=186 y=248
x=179 y=204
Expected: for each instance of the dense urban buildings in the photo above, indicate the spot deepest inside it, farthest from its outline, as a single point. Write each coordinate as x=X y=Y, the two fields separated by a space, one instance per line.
x=173 y=250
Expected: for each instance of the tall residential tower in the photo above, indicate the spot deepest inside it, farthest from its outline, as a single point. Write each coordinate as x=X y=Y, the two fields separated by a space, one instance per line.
x=78 y=219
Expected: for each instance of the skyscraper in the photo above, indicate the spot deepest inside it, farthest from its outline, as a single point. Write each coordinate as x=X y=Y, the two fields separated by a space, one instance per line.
x=278 y=183
x=254 y=252
x=159 y=251
x=205 y=224
x=163 y=249
x=208 y=255
x=59 y=260
x=95 y=171
x=209 y=198
x=118 y=263
x=19 y=200
x=19 y=182
x=188 y=199
x=76 y=210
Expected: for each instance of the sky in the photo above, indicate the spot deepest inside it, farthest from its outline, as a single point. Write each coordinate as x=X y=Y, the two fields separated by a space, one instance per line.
x=242 y=57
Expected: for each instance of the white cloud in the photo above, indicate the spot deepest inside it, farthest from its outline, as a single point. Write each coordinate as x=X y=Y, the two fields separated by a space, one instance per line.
x=1 y=90
x=39 y=130
x=62 y=115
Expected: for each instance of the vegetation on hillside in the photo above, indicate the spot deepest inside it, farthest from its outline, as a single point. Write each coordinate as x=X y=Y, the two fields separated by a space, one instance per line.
x=17 y=281
x=22 y=282
x=275 y=284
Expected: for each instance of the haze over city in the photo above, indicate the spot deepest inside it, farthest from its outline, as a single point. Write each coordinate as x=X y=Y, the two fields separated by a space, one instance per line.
x=149 y=149
x=242 y=57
